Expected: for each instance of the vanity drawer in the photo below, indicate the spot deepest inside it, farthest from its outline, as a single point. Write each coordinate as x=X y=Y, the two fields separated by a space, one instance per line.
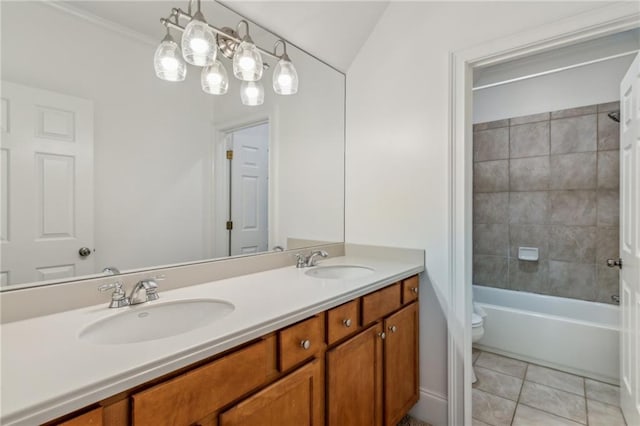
x=300 y=341
x=382 y=302
x=410 y=289
x=342 y=321
x=92 y=418
x=193 y=395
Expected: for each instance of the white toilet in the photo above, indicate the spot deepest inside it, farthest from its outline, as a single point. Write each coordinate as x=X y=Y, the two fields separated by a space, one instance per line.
x=477 y=331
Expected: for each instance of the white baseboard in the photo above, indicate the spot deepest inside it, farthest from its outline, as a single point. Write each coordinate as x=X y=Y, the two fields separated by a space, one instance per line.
x=431 y=408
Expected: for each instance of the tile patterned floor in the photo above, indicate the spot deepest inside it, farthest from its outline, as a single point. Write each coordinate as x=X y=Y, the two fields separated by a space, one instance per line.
x=510 y=392
x=410 y=421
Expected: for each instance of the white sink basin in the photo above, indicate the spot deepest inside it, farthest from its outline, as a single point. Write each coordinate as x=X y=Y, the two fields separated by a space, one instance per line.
x=155 y=321
x=339 y=272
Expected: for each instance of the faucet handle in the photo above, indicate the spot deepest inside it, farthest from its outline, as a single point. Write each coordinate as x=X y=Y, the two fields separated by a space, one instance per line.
x=118 y=297
x=301 y=260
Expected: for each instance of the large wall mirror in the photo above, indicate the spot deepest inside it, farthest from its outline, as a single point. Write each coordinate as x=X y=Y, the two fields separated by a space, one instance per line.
x=104 y=164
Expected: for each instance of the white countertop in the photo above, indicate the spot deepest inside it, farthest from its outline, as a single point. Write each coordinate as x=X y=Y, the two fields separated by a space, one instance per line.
x=47 y=371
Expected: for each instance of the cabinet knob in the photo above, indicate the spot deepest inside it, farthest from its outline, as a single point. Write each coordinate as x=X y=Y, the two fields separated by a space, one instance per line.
x=382 y=335
x=305 y=344
x=414 y=289
x=346 y=322
x=393 y=328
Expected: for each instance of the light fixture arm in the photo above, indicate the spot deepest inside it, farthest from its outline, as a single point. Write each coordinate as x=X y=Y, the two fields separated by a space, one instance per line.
x=179 y=13
x=284 y=50
x=246 y=27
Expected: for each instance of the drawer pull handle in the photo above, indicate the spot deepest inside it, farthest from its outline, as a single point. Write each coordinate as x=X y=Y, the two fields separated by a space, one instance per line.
x=346 y=322
x=382 y=335
x=305 y=344
x=393 y=328
x=414 y=289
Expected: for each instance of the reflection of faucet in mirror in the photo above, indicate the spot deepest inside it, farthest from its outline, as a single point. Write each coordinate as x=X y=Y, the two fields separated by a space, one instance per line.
x=111 y=270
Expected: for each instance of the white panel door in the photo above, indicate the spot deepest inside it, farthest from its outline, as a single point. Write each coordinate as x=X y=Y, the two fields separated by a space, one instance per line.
x=630 y=243
x=249 y=189
x=47 y=185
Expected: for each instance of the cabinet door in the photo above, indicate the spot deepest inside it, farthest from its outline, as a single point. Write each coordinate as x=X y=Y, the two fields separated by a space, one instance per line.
x=400 y=363
x=354 y=380
x=296 y=399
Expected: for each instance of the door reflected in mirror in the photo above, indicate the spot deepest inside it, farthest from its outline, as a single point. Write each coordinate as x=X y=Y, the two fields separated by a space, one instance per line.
x=105 y=164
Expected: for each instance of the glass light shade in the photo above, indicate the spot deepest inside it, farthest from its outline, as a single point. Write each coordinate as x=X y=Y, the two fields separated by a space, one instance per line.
x=214 y=79
x=247 y=61
x=285 y=77
x=168 y=61
x=252 y=93
x=199 y=42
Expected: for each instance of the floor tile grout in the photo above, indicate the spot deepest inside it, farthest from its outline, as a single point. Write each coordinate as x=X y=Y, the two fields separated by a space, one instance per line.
x=513 y=418
x=523 y=382
x=553 y=387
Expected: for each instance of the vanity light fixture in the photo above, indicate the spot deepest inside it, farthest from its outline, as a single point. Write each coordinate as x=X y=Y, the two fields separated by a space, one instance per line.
x=168 y=61
x=198 y=41
x=200 y=44
x=252 y=93
x=214 y=79
x=247 y=61
x=285 y=77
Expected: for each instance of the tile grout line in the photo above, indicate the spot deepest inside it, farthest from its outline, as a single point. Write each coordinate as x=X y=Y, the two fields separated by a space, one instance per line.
x=584 y=385
x=526 y=369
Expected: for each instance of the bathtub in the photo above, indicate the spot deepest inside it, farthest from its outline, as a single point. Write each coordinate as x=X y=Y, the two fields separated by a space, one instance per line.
x=566 y=334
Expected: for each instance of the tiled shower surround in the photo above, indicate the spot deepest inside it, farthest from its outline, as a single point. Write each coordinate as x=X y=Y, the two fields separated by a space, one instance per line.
x=549 y=181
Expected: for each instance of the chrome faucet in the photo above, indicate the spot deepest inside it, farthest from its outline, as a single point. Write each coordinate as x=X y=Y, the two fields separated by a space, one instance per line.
x=150 y=287
x=118 y=297
x=303 y=261
x=311 y=260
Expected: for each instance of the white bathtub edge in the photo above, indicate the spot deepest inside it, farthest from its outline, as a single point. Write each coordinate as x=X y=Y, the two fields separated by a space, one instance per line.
x=566 y=369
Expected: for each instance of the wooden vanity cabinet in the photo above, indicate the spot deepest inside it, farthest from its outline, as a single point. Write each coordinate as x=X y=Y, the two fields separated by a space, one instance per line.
x=353 y=365
x=191 y=396
x=372 y=378
x=354 y=380
x=296 y=399
x=90 y=418
x=400 y=363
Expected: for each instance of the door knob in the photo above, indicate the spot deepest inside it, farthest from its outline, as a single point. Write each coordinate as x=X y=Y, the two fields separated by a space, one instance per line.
x=84 y=251
x=612 y=263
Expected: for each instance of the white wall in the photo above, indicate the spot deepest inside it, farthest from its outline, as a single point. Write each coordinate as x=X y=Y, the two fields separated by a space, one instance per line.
x=397 y=145
x=552 y=92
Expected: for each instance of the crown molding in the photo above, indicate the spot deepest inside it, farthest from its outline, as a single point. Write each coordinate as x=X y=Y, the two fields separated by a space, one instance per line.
x=100 y=21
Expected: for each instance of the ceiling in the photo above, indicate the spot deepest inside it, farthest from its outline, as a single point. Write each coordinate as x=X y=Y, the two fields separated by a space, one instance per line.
x=333 y=31
x=304 y=23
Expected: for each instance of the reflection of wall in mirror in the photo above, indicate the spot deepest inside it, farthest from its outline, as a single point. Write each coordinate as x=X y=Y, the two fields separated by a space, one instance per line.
x=306 y=180
x=151 y=137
